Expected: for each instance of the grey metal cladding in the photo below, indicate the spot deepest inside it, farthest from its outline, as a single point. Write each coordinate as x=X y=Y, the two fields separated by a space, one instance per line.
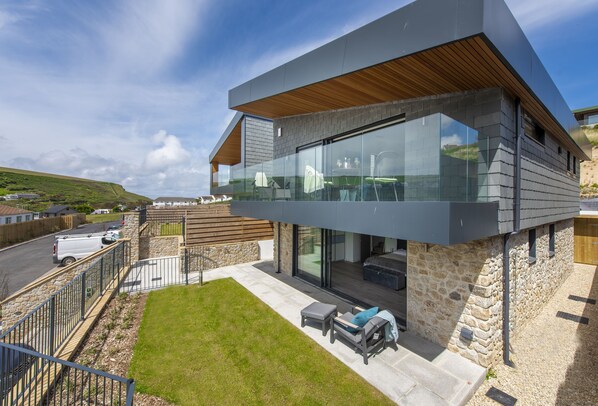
x=505 y=34
x=402 y=32
x=327 y=58
x=432 y=222
x=421 y=25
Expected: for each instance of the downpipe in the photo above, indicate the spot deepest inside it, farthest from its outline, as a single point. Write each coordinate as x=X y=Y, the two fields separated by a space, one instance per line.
x=506 y=325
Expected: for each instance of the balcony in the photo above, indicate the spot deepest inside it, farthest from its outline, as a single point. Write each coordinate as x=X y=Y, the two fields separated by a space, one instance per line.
x=418 y=166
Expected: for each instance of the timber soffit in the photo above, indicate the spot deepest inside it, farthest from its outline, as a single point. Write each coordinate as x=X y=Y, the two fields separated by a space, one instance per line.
x=426 y=48
x=228 y=147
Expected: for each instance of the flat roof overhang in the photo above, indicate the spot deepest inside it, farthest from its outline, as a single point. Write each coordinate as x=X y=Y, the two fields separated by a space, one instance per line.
x=228 y=148
x=445 y=223
x=426 y=48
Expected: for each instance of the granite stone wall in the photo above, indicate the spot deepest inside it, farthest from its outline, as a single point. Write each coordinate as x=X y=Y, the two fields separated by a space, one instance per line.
x=286 y=248
x=156 y=247
x=207 y=257
x=130 y=230
x=451 y=288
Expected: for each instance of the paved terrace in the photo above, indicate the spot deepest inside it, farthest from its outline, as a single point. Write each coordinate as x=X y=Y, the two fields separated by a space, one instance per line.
x=416 y=372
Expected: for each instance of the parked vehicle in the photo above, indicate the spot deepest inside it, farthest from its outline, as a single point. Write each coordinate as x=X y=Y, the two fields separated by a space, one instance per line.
x=69 y=248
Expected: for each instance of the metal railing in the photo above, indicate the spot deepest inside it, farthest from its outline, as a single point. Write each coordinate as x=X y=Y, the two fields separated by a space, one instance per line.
x=47 y=326
x=158 y=273
x=30 y=378
x=165 y=224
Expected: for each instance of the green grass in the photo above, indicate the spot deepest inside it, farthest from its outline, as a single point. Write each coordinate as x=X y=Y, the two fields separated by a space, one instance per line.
x=220 y=345
x=58 y=189
x=102 y=218
x=171 y=229
x=592 y=134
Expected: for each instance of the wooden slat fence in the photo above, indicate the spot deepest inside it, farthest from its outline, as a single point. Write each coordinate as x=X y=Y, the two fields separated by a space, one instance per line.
x=214 y=224
x=27 y=230
x=586 y=240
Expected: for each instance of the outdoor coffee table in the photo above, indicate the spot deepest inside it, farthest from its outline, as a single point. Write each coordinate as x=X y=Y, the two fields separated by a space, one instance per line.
x=320 y=312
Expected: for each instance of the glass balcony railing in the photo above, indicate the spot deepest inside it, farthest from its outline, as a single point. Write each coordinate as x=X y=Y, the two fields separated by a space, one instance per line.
x=434 y=158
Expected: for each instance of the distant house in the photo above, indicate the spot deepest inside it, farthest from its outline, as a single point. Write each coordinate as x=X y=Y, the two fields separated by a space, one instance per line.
x=587 y=116
x=10 y=215
x=174 y=201
x=16 y=196
x=101 y=211
x=214 y=199
x=57 y=211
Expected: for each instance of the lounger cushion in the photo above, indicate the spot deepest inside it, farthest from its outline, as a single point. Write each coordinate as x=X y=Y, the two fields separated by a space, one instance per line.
x=361 y=318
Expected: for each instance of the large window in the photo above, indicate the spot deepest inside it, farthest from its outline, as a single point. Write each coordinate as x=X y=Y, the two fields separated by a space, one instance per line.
x=308 y=242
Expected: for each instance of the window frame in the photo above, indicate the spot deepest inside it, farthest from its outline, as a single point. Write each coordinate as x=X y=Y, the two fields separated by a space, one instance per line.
x=551 y=240
x=532 y=245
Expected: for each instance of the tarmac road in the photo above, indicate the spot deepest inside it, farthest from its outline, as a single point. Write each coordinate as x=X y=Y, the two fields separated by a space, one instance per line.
x=27 y=262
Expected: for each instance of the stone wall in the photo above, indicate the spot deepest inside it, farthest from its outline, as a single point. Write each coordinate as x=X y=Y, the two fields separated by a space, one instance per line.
x=533 y=284
x=206 y=257
x=130 y=230
x=455 y=287
x=461 y=286
x=156 y=247
x=286 y=243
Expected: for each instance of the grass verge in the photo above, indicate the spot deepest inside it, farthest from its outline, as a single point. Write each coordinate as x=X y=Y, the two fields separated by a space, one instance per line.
x=101 y=218
x=220 y=345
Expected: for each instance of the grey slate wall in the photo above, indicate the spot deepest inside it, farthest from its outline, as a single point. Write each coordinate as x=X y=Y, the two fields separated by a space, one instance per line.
x=549 y=192
x=258 y=136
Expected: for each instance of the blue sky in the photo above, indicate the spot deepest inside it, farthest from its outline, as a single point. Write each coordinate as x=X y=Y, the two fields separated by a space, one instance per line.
x=135 y=92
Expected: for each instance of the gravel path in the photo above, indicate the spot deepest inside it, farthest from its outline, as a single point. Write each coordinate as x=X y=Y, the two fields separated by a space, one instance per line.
x=556 y=359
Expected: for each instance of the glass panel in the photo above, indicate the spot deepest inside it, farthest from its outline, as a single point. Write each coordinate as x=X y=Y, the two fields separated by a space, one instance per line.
x=593 y=119
x=343 y=175
x=309 y=253
x=433 y=158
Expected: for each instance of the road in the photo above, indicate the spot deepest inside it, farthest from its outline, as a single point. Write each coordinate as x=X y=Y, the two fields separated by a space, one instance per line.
x=27 y=262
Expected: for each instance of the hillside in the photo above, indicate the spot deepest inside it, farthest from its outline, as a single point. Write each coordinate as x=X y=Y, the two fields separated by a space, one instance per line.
x=59 y=189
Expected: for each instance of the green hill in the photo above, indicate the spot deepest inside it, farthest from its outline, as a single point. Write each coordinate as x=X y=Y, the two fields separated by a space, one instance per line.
x=59 y=189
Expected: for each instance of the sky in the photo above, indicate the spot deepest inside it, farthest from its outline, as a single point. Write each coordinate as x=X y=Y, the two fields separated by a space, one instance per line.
x=135 y=92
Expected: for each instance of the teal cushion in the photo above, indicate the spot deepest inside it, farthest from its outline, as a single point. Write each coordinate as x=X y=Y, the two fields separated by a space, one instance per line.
x=361 y=318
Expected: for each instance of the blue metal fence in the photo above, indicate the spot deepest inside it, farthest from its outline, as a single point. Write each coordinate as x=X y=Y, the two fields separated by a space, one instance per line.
x=35 y=338
x=30 y=378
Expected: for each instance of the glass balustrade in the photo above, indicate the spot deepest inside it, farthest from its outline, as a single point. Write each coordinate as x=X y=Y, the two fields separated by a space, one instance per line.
x=434 y=158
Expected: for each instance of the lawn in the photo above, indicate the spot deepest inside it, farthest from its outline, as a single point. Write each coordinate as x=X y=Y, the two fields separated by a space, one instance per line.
x=101 y=218
x=171 y=229
x=220 y=345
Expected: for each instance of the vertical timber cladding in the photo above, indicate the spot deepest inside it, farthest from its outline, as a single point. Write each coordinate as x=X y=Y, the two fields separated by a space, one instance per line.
x=217 y=225
x=586 y=240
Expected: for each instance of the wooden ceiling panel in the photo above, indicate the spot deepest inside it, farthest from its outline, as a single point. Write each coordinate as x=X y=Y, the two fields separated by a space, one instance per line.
x=464 y=65
x=230 y=152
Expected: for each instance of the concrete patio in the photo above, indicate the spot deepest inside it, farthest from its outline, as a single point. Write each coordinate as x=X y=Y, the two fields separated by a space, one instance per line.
x=416 y=372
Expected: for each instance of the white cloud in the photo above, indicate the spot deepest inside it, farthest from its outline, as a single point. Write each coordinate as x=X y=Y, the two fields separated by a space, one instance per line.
x=450 y=140
x=170 y=152
x=7 y=18
x=534 y=14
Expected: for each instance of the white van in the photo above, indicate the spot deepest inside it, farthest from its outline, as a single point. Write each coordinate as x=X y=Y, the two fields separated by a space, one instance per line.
x=69 y=248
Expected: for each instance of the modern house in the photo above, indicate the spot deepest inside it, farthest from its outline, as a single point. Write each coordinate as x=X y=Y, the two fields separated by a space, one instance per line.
x=57 y=211
x=246 y=141
x=587 y=116
x=11 y=215
x=425 y=163
x=174 y=201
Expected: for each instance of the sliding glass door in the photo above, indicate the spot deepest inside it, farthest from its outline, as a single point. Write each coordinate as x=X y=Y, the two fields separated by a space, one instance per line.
x=309 y=254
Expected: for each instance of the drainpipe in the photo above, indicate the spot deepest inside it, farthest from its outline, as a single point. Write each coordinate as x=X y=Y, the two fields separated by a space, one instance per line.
x=516 y=228
x=278 y=249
